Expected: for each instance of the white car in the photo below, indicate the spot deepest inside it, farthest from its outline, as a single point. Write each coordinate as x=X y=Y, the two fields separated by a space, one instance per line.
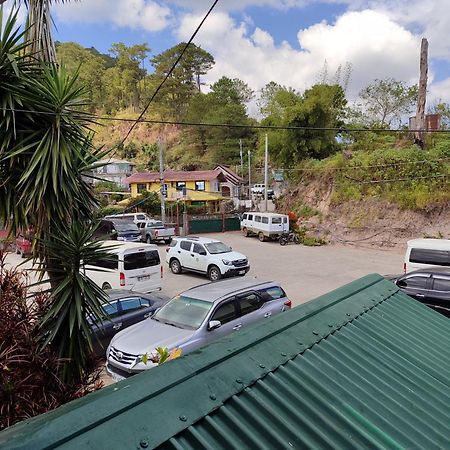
x=204 y=255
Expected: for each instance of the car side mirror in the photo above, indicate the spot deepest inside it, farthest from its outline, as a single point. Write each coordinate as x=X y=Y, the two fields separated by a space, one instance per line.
x=214 y=324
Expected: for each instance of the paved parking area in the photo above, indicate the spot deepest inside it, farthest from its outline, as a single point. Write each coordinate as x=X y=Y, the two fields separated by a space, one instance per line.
x=304 y=272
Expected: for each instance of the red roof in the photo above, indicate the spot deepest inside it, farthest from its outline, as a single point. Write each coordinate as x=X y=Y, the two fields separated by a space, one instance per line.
x=175 y=175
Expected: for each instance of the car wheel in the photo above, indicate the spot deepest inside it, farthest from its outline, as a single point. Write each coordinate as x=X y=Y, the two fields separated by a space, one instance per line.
x=214 y=273
x=296 y=239
x=148 y=239
x=261 y=236
x=175 y=266
x=283 y=241
x=106 y=286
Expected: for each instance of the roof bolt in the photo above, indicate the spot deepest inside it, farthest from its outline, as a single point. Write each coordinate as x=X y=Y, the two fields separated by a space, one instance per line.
x=262 y=366
x=238 y=380
x=212 y=397
x=330 y=325
x=315 y=332
x=143 y=443
x=284 y=354
x=183 y=418
x=348 y=314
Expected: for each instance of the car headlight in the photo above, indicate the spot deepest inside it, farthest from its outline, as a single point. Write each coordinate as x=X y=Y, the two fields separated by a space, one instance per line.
x=226 y=262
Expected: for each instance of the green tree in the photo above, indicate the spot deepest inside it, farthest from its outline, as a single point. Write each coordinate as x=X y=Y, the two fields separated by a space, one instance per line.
x=185 y=79
x=322 y=106
x=274 y=98
x=386 y=101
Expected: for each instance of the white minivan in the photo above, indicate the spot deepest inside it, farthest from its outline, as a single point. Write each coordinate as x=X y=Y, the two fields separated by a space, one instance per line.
x=423 y=253
x=134 y=267
x=264 y=225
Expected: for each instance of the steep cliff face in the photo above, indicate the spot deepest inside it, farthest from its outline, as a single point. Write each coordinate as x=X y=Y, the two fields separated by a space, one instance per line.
x=366 y=222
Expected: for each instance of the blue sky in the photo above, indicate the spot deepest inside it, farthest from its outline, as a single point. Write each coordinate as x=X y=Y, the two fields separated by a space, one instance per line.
x=287 y=41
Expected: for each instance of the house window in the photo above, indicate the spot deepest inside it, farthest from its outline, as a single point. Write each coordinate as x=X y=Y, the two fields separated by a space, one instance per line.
x=141 y=187
x=199 y=185
x=180 y=185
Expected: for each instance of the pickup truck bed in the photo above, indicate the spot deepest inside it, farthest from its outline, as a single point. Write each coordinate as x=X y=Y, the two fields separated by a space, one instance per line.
x=155 y=231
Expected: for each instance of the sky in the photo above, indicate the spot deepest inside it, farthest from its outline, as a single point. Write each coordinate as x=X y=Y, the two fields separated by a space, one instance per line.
x=286 y=41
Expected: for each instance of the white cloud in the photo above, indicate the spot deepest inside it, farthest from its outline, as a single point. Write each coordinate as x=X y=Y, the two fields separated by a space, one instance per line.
x=439 y=92
x=376 y=47
x=141 y=14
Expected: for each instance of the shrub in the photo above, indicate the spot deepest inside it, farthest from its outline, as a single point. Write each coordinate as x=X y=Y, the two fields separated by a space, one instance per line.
x=29 y=384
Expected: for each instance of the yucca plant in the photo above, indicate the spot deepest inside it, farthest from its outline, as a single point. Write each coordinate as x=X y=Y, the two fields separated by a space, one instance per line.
x=74 y=299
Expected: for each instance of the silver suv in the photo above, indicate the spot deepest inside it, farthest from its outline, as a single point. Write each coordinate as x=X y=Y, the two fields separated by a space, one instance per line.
x=193 y=319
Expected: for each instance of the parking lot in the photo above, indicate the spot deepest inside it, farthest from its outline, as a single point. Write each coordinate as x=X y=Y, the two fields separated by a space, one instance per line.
x=304 y=272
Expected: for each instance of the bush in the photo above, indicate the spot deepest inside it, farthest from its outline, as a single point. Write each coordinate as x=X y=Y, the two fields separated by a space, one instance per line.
x=29 y=384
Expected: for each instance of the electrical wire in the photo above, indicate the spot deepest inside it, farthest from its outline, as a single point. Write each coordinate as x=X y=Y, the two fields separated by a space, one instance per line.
x=238 y=126
x=395 y=180
x=169 y=72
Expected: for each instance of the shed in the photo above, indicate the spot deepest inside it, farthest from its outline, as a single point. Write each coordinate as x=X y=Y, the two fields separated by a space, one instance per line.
x=364 y=366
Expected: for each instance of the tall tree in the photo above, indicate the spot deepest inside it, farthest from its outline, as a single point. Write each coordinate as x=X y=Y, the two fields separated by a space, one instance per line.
x=385 y=101
x=185 y=80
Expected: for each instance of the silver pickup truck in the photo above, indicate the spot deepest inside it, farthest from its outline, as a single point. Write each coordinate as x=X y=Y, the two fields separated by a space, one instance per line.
x=155 y=231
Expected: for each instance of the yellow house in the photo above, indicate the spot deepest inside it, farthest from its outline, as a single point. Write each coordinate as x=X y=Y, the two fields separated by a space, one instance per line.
x=193 y=187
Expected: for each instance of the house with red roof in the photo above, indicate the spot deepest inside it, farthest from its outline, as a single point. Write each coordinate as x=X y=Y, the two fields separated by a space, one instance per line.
x=193 y=187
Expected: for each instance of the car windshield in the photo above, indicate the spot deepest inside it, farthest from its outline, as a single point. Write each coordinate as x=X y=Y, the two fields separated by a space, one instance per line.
x=125 y=226
x=183 y=312
x=217 y=247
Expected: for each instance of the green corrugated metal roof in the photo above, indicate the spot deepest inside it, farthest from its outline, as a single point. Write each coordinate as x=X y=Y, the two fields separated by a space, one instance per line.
x=361 y=367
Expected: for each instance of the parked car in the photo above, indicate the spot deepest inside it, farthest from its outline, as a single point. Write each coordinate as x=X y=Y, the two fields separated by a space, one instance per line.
x=264 y=225
x=259 y=189
x=429 y=286
x=156 y=231
x=124 y=308
x=133 y=266
x=207 y=256
x=118 y=230
x=425 y=253
x=133 y=217
x=195 y=318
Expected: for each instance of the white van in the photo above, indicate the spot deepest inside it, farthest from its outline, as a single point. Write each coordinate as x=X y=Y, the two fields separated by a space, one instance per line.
x=423 y=253
x=264 y=225
x=135 y=217
x=134 y=267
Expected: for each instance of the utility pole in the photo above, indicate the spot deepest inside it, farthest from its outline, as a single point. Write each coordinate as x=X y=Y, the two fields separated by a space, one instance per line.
x=249 y=178
x=419 y=122
x=241 y=188
x=266 y=172
x=161 y=180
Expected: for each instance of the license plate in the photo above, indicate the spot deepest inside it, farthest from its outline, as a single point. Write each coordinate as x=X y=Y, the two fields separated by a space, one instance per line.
x=145 y=278
x=241 y=272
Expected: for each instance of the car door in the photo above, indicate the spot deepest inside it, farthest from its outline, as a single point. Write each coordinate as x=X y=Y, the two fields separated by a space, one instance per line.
x=199 y=258
x=415 y=285
x=226 y=312
x=110 y=326
x=438 y=296
x=184 y=254
x=134 y=309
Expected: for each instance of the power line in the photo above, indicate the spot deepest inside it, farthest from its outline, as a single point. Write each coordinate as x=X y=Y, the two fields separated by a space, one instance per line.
x=169 y=72
x=395 y=180
x=237 y=125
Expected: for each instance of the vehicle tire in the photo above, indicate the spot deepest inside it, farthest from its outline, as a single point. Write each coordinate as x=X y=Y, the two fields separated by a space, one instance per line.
x=106 y=286
x=246 y=232
x=148 y=239
x=261 y=236
x=175 y=266
x=283 y=241
x=296 y=239
x=214 y=273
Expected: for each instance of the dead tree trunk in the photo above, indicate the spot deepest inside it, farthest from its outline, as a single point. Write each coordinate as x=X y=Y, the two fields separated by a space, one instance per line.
x=422 y=97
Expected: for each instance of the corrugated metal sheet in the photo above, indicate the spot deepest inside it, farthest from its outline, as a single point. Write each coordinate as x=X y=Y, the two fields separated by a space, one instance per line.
x=362 y=367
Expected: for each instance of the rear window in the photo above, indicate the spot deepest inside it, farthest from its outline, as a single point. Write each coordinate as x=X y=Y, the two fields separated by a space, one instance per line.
x=441 y=284
x=111 y=262
x=140 y=260
x=185 y=245
x=426 y=256
x=276 y=220
x=173 y=243
x=272 y=293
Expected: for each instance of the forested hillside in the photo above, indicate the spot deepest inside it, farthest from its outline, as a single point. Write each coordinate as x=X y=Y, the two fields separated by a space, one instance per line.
x=348 y=152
